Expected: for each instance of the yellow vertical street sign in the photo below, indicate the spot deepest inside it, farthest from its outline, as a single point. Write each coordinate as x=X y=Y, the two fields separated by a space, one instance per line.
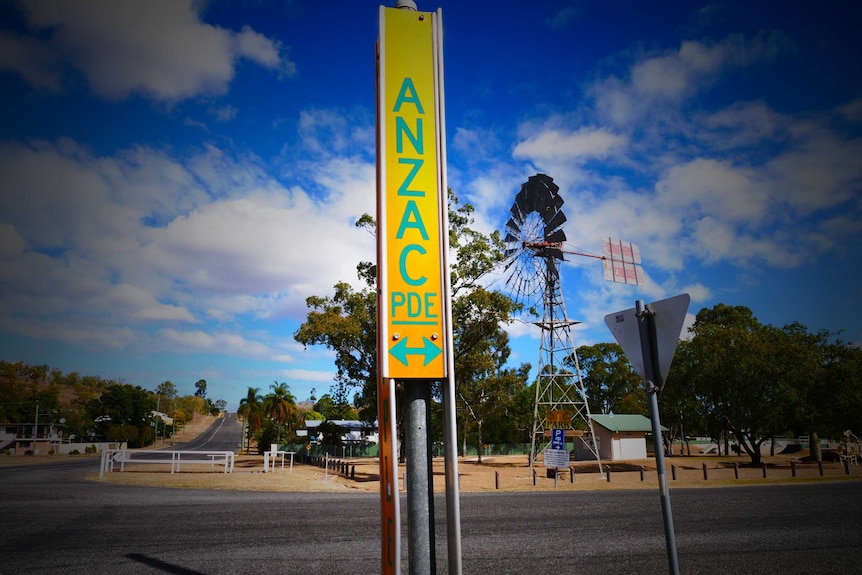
x=411 y=203
x=414 y=330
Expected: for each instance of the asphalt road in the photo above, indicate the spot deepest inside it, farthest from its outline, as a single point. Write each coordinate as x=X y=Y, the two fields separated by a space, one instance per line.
x=55 y=521
x=225 y=434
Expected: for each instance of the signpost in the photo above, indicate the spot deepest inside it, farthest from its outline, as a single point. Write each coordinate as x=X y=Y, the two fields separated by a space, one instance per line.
x=414 y=326
x=649 y=335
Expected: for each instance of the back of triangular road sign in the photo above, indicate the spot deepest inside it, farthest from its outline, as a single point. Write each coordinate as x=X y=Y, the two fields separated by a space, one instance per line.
x=669 y=319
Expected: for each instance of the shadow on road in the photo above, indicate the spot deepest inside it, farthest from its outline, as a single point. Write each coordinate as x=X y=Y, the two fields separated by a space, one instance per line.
x=161 y=565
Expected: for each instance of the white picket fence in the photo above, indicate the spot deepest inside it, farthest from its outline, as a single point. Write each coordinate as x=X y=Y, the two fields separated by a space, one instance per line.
x=112 y=458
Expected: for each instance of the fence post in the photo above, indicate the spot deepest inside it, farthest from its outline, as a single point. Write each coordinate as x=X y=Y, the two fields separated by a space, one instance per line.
x=763 y=466
x=847 y=467
x=572 y=474
x=736 y=469
x=496 y=479
x=642 y=472
x=793 y=468
x=534 y=478
x=705 y=473
x=673 y=471
x=820 y=466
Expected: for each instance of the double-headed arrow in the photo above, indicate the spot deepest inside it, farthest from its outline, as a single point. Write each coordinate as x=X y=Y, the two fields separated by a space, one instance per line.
x=400 y=351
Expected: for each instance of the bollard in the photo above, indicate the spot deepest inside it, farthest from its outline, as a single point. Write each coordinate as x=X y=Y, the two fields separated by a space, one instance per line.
x=673 y=472
x=793 y=468
x=571 y=474
x=847 y=467
x=353 y=472
x=705 y=473
x=736 y=470
x=763 y=466
x=534 y=478
x=820 y=466
x=642 y=472
x=496 y=479
x=608 y=470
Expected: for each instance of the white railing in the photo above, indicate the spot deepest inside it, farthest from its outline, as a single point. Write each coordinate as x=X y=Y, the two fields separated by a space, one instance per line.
x=270 y=458
x=113 y=457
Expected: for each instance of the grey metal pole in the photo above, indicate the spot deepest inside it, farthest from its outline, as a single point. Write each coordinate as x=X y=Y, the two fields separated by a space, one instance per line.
x=420 y=503
x=36 y=429
x=646 y=325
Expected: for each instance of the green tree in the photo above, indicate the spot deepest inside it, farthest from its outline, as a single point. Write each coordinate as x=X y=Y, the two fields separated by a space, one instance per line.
x=251 y=410
x=201 y=388
x=346 y=323
x=610 y=382
x=281 y=407
x=483 y=384
x=122 y=406
x=745 y=376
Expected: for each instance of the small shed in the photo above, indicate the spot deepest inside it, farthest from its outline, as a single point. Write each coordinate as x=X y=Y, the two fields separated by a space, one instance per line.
x=622 y=436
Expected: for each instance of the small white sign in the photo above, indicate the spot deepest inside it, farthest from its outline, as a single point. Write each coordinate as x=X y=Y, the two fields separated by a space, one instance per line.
x=556 y=458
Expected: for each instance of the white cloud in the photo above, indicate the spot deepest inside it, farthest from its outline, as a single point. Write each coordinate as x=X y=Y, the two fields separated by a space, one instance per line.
x=656 y=82
x=852 y=110
x=706 y=186
x=159 y=48
x=144 y=306
x=140 y=236
x=580 y=145
x=31 y=59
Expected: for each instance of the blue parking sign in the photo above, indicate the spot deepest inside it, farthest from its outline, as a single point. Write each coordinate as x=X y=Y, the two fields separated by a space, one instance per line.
x=558 y=439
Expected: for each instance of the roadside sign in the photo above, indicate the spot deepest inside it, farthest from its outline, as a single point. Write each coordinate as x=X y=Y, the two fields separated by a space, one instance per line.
x=558 y=439
x=669 y=318
x=414 y=328
x=411 y=199
x=556 y=458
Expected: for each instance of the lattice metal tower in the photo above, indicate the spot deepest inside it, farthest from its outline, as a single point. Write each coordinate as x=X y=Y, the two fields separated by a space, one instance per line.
x=534 y=249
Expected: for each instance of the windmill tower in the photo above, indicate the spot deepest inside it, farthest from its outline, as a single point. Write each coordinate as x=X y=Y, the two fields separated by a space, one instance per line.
x=534 y=250
x=534 y=238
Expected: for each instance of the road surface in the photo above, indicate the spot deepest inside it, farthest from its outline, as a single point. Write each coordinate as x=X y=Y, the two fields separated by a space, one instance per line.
x=56 y=521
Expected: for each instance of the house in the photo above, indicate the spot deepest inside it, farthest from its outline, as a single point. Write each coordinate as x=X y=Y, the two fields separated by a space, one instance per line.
x=33 y=438
x=352 y=431
x=619 y=436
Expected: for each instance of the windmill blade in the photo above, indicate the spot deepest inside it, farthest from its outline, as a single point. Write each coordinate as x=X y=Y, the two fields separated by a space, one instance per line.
x=554 y=221
x=511 y=239
x=556 y=237
x=525 y=201
x=512 y=225
x=557 y=201
x=548 y=182
x=554 y=253
x=516 y=213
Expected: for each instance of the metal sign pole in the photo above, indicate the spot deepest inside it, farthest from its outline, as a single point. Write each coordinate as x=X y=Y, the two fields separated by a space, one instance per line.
x=653 y=382
x=420 y=494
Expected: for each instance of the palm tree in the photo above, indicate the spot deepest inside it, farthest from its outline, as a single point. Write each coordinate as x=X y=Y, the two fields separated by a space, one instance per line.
x=281 y=406
x=251 y=409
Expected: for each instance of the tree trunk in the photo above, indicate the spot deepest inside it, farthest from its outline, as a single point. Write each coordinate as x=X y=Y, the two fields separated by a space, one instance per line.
x=814 y=446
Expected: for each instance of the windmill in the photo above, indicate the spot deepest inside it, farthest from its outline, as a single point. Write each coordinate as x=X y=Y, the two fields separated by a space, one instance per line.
x=534 y=250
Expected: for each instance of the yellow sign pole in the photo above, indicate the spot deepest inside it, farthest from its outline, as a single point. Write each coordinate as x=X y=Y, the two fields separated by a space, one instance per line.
x=414 y=316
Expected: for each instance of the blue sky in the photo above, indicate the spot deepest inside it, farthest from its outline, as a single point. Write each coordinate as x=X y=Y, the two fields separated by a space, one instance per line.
x=177 y=177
